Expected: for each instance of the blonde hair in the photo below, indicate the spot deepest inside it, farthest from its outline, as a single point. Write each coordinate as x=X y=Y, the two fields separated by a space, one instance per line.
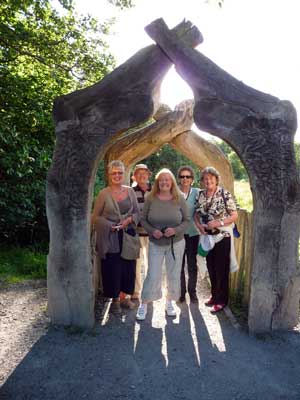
x=174 y=189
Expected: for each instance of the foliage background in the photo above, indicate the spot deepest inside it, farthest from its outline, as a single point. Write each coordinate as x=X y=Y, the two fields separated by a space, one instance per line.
x=44 y=53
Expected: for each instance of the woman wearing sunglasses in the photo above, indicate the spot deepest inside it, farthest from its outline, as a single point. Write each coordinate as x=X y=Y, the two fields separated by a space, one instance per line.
x=185 y=177
x=115 y=209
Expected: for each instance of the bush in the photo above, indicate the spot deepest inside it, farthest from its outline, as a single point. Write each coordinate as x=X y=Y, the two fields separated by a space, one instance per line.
x=17 y=264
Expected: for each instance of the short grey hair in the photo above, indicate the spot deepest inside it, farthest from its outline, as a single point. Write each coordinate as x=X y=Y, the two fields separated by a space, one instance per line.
x=212 y=171
x=115 y=164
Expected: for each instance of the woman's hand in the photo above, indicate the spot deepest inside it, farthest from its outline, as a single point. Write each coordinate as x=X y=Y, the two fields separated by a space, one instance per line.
x=169 y=232
x=201 y=227
x=213 y=224
x=127 y=221
x=157 y=234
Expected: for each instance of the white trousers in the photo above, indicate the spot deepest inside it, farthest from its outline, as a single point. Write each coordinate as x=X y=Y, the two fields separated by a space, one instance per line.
x=141 y=265
x=152 y=288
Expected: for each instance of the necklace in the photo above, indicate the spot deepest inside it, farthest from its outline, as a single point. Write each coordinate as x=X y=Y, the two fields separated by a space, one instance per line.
x=120 y=190
x=187 y=194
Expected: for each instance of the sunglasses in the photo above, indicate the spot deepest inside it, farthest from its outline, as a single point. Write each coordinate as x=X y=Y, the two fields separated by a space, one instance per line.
x=117 y=173
x=185 y=176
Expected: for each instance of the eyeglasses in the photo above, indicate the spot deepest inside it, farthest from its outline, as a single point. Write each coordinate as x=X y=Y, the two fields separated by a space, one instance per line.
x=185 y=177
x=117 y=173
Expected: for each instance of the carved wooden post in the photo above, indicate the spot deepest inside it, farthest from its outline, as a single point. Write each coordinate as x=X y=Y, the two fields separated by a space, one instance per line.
x=204 y=153
x=85 y=122
x=261 y=129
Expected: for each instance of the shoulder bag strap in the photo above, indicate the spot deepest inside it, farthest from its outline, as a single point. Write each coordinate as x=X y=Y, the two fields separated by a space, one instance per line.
x=224 y=199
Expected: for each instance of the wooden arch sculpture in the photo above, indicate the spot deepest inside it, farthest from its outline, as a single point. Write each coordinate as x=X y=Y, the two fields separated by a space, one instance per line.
x=259 y=127
x=173 y=127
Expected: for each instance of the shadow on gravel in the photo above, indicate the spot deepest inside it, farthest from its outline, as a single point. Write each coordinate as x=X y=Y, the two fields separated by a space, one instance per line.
x=195 y=356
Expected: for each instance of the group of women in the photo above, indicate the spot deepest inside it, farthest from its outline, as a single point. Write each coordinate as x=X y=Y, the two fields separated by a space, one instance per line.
x=169 y=218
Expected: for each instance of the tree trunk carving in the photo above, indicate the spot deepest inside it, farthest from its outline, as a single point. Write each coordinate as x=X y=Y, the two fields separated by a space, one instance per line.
x=86 y=121
x=173 y=127
x=260 y=128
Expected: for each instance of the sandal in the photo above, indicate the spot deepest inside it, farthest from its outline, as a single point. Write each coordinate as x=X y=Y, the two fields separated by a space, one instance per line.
x=217 y=308
x=209 y=302
x=115 y=308
x=127 y=303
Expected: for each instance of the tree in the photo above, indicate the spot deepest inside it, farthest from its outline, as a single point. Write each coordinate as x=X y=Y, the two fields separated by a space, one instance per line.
x=169 y=158
x=238 y=169
x=43 y=54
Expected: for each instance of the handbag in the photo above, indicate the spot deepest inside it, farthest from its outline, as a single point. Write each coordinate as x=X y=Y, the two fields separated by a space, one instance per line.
x=131 y=241
x=131 y=244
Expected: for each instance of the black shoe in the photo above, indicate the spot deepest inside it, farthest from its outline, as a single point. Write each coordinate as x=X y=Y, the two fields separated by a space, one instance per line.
x=194 y=299
x=181 y=299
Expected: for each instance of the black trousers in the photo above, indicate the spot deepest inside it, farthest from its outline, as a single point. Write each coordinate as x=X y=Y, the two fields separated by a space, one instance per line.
x=218 y=265
x=190 y=253
x=118 y=274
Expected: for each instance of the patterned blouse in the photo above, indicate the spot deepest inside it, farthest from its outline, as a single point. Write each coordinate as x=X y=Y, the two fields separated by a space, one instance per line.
x=214 y=207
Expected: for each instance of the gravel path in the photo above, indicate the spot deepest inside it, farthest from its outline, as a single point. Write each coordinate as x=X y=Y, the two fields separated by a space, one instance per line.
x=195 y=356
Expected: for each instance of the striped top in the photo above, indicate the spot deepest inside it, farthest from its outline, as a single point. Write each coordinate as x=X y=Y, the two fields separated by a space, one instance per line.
x=140 y=196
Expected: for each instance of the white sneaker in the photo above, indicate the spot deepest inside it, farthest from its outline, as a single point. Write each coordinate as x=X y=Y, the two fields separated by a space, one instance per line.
x=141 y=312
x=170 y=310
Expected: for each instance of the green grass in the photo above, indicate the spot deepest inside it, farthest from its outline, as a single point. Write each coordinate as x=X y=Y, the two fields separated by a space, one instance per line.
x=18 y=264
x=243 y=194
x=244 y=198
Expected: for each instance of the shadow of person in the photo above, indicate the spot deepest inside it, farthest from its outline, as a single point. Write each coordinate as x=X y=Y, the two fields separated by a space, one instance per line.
x=68 y=363
x=181 y=349
x=263 y=366
x=149 y=356
x=188 y=345
x=195 y=355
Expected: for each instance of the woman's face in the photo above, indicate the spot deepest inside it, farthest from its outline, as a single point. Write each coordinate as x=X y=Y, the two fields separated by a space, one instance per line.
x=210 y=182
x=165 y=183
x=185 y=178
x=116 y=176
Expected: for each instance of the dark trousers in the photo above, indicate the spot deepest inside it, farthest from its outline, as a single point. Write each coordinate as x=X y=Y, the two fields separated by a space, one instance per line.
x=218 y=265
x=118 y=274
x=190 y=253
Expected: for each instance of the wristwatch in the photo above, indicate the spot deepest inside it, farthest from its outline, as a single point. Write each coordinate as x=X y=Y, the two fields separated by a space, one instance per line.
x=221 y=222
